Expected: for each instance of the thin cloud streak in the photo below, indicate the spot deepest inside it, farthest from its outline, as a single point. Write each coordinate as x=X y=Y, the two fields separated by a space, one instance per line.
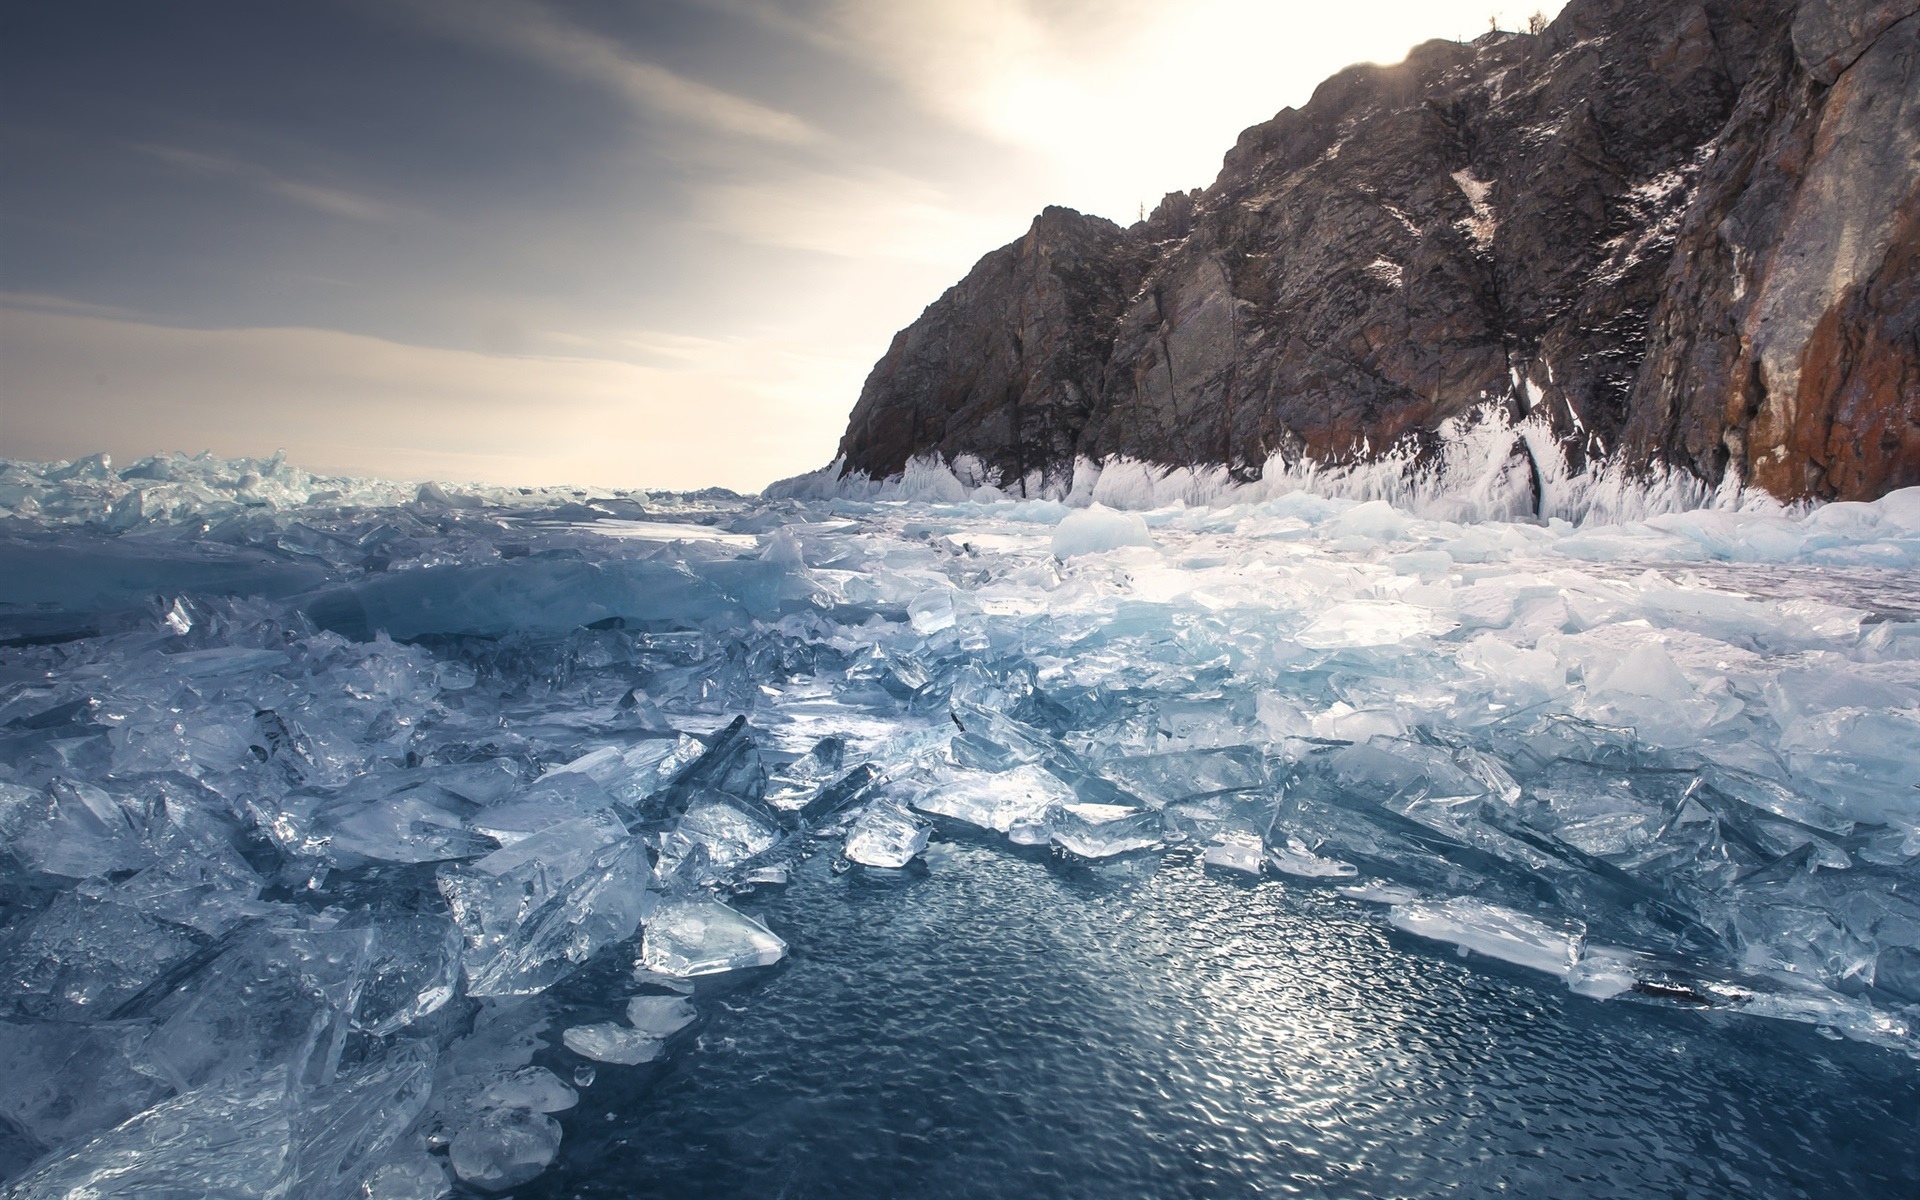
x=336 y=202
x=539 y=35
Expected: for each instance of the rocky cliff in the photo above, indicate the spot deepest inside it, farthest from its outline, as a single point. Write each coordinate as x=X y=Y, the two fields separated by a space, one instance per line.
x=1684 y=233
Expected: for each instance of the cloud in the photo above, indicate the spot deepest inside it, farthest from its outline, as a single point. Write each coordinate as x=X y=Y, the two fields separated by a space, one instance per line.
x=541 y=36
x=738 y=412
x=337 y=202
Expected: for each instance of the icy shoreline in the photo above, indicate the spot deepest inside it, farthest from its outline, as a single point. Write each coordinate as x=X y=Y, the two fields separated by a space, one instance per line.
x=395 y=762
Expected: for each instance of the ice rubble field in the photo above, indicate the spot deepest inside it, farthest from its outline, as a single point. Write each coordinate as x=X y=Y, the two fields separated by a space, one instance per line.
x=308 y=785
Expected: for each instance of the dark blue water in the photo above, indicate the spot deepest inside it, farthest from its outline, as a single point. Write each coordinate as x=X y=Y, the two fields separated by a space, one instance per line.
x=1002 y=1026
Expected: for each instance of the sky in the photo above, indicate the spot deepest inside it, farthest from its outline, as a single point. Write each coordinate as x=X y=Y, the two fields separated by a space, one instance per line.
x=657 y=243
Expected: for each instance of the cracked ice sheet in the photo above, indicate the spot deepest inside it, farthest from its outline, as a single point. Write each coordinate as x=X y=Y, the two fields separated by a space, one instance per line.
x=1709 y=717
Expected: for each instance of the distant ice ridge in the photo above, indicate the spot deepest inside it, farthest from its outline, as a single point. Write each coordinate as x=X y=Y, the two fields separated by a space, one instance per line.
x=309 y=811
x=171 y=488
x=1488 y=467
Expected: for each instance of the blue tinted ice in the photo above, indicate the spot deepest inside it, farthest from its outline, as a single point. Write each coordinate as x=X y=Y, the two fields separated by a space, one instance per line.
x=332 y=806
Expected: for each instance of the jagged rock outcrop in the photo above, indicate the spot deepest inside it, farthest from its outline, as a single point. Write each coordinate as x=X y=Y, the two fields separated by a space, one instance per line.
x=1682 y=233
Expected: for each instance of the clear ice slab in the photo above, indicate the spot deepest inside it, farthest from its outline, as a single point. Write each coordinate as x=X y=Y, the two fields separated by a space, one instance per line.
x=886 y=835
x=688 y=937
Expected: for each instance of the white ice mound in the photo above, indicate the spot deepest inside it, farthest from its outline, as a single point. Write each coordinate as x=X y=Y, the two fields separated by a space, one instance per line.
x=686 y=938
x=1096 y=530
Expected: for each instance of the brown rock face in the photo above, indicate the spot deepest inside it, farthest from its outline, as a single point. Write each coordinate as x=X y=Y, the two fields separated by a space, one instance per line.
x=1685 y=233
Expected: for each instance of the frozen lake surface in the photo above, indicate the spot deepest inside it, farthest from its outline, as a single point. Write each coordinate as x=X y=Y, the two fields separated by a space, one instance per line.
x=364 y=839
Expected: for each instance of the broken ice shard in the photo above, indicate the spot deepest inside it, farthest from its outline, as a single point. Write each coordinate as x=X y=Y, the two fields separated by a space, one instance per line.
x=529 y=1087
x=610 y=1043
x=1102 y=830
x=886 y=835
x=1235 y=851
x=660 y=1016
x=413 y=972
x=1294 y=858
x=790 y=788
x=229 y=1139
x=688 y=937
x=525 y=929
x=504 y=1147
x=277 y=999
x=1162 y=779
x=728 y=830
x=996 y=801
x=1604 y=972
x=1496 y=932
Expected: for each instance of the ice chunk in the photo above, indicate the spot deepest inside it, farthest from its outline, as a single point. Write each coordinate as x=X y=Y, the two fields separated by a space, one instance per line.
x=82 y=830
x=886 y=835
x=726 y=829
x=792 y=786
x=1294 y=858
x=610 y=1043
x=1162 y=779
x=550 y=800
x=525 y=930
x=1096 y=530
x=1604 y=972
x=660 y=1016
x=407 y=828
x=1376 y=892
x=1103 y=830
x=931 y=612
x=504 y=1147
x=731 y=766
x=414 y=971
x=850 y=789
x=342 y=1127
x=69 y=1081
x=413 y=1177
x=233 y=1139
x=86 y=956
x=647 y=767
x=558 y=852
x=529 y=1087
x=998 y=800
x=1235 y=850
x=1496 y=932
x=276 y=999
x=685 y=938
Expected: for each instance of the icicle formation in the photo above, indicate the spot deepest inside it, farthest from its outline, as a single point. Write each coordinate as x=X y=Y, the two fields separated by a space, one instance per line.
x=1486 y=467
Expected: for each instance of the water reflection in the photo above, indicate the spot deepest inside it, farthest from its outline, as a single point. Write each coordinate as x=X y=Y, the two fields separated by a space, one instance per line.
x=1004 y=1026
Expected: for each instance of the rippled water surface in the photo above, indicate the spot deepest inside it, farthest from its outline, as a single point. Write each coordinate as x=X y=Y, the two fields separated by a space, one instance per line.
x=1000 y=1026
